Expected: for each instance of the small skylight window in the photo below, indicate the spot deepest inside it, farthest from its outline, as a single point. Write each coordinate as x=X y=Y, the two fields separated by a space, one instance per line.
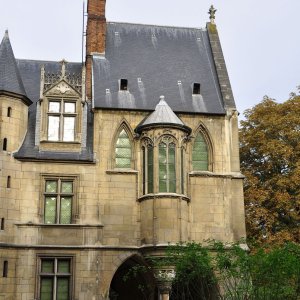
x=179 y=82
x=196 y=88
x=107 y=91
x=123 y=85
x=139 y=80
x=116 y=33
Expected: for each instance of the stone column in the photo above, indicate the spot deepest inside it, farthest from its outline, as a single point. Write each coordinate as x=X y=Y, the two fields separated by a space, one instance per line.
x=164 y=278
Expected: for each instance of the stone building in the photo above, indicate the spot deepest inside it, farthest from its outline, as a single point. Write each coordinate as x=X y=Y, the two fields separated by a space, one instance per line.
x=107 y=162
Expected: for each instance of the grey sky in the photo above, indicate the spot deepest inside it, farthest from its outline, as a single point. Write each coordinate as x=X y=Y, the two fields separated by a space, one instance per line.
x=260 y=38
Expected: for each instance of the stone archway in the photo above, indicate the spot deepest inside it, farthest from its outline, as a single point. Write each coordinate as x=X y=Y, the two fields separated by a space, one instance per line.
x=137 y=286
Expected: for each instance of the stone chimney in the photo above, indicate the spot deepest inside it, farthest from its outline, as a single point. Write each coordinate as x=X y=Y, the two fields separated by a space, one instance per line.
x=95 y=37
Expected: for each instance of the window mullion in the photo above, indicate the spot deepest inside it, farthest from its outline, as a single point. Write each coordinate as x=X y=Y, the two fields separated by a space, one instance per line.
x=55 y=279
x=167 y=168
x=58 y=202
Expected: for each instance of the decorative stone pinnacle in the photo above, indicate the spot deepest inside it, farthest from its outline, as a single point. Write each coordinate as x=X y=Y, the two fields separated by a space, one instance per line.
x=6 y=33
x=212 y=14
x=63 y=63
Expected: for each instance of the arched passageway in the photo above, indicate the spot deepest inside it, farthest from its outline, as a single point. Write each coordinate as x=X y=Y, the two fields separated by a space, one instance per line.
x=133 y=281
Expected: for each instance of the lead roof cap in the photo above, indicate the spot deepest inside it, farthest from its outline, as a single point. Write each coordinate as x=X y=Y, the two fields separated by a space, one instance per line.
x=162 y=116
x=10 y=77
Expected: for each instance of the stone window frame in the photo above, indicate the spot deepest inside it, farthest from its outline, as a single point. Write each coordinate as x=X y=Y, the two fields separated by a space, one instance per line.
x=75 y=200
x=46 y=113
x=207 y=138
x=123 y=126
x=55 y=257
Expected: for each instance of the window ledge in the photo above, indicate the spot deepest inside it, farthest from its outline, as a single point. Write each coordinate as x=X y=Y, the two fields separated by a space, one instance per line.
x=59 y=142
x=122 y=171
x=234 y=175
x=29 y=224
x=164 y=195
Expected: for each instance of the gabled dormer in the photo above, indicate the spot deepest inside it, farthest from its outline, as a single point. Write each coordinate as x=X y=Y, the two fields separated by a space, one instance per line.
x=60 y=111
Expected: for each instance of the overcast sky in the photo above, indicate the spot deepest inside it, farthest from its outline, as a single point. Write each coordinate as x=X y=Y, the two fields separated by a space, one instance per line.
x=260 y=38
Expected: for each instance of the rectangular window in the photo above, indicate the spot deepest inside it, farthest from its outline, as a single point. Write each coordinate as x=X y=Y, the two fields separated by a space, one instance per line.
x=58 y=200
x=61 y=120
x=5 y=268
x=55 y=278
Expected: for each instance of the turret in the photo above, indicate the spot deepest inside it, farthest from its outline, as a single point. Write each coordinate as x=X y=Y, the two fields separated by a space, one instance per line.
x=13 y=100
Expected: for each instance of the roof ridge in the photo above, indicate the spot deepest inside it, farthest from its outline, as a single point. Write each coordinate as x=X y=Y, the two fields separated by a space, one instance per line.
x=156 y=25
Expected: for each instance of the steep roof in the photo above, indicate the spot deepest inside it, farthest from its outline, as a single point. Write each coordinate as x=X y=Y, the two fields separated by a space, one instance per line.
x=162 y=116
x=156 y=61
x=10 y=78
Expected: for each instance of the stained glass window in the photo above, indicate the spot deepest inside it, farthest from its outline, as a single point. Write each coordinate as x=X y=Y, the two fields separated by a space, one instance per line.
x=200 y=154
x=58 y=201
x=55 y=278
x=123 y=151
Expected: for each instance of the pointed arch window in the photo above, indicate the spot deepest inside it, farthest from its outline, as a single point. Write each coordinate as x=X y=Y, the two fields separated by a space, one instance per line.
x=147 y=168
x=200 y=153
x=167 y=165
x=123 y=150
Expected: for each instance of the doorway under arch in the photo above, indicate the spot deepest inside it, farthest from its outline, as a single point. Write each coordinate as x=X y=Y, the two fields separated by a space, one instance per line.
x=133 y=281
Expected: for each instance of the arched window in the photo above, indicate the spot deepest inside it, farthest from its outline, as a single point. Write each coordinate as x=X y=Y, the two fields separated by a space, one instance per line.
x=9 y=112
x=167 y=163
x=200 y=153
x=123 y=151
x=147 y=168
x=5 y=144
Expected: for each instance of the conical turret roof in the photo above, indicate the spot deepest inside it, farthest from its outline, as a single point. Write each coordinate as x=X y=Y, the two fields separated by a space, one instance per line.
x=163 y=116
x=10 y=77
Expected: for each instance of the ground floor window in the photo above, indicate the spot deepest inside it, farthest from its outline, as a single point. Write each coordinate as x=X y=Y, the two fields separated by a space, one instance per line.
x=55 y=277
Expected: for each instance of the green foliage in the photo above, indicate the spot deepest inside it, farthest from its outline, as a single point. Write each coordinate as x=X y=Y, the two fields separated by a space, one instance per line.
x=270 y=160
x=228 y=272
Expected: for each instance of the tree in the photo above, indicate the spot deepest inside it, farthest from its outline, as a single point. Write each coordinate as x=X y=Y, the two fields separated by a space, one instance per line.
x=270 y=160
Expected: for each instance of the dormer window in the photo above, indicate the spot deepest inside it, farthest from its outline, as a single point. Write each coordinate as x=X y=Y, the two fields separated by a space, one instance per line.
x=61 y=120
x=196 y=88
x=123 y=85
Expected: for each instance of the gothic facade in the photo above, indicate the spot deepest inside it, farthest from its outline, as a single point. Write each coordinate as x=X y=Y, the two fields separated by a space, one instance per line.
x=106 y=162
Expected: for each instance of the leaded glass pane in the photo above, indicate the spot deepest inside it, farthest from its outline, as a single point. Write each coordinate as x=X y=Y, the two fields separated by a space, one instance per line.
x=69 y=107
x=150 y=169
x=200 y=154
x=47 y=266
x=69 y=129
x=172 y=186
x=50 y=210
x=51 y=186
x=123 y=151
x=67 y=187
x=62 y=292
x=63 y=266
x=162 y=186
x=53 y=128
x=65 y=210
x=46 y=289
x=54 y=107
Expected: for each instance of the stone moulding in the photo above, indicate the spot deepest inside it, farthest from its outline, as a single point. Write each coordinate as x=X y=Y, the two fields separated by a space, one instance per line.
x=236 y=175
x=164 y=195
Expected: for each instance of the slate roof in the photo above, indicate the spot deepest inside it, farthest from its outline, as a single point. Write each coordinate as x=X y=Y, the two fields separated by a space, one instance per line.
x=156 y=61
x=30 y=71
x=162 y=116
x=10 y=78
